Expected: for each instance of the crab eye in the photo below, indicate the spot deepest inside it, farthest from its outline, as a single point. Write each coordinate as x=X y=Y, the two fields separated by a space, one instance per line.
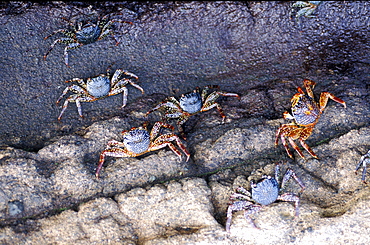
x=295 y=99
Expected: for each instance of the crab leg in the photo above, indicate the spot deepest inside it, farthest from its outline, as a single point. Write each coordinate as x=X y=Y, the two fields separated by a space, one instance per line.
x=75 y=98
x=304 y=134
x=363 y=171
x=252 y=210
x=286 y=147
x=118 y=73
x=295 y=147
x=106 y=31
x=210 y=103
x=160 y=145
x=113 y=152
x=289 y=197
x=324 y=97
x=288 y=174
x=307 y=83
x=55 y=32
x=243 y=191
x=114 y=143
x=73 y=88
x=124 y=96
x=165 y=140
x=205 y=90
x=170 y=102
x=365 y=159
x=119 y=87
x=228 y=94
x=293 y=132
x=282 y=132
x=157 y=126
x=239 y=206
x=307 y=148
x=81 y=82
x=182 y=119
x=70 y=46
x=182 y=147
x=64 y=40
x=136 y=86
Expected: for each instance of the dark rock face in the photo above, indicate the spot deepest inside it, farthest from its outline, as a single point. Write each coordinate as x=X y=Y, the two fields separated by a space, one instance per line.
x=256 y=49
x=241 y=47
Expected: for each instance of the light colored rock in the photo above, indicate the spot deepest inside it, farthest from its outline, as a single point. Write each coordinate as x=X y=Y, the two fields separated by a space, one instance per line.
x=167 y=210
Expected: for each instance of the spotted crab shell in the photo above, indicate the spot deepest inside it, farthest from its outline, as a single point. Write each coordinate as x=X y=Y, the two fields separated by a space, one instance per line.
x=266 y=191
x=98 y=86
x=191 y=102
x=137 y=140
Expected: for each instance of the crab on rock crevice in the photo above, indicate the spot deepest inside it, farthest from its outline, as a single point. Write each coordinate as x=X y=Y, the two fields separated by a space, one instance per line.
x=84 y=32
x=138 y=141
x=190 y=104
x=305 y=113
x=97 y=88
x=265 y=191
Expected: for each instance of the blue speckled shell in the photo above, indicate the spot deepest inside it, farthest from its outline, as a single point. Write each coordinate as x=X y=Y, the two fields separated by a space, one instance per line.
x=88 y=34
x=137 y=140
x=266 y=191
x=305 y=104
x=98 y=86
x=191 y=102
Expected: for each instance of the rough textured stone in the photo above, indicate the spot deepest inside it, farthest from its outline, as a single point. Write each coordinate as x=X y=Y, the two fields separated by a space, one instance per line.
x=48 y=189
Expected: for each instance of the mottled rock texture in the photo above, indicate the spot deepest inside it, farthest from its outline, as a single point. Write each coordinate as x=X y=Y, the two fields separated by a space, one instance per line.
x=260 y=50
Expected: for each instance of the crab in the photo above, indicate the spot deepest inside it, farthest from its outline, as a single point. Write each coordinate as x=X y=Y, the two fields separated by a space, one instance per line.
x=98 y=87
x=190 y=104
x=264 y=192
x=306 y=8
x=365 y=159
x=84 y=32
x=138 y=141
x=305 y=113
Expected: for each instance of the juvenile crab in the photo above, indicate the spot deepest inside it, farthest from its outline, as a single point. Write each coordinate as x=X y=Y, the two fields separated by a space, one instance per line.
x=305 y=113
x=365 y=159
x=84 y=32
x=264 y=192
x=138 y=141
x=190 y=104
x=306 y=8
x=98 y=87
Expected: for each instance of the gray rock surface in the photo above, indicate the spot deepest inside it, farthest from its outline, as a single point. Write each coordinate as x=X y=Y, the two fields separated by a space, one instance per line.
x=48 y=190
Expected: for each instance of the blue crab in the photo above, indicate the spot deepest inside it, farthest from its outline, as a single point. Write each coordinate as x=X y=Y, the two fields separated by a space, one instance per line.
x=84 y=32
x=138 y=141
x=365 y=159
x=192 y=103
x=305 y=113
x=98 y=87
x=264 y=192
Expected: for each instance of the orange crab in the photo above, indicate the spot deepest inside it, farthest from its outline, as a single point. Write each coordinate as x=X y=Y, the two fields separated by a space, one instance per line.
x=305 y=113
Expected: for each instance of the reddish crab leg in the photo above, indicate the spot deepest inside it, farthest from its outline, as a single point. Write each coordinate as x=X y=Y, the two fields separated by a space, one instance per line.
x=305 y=113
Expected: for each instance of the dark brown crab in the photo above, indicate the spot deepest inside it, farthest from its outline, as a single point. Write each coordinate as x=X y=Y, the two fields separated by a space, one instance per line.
x=84 y=32
x=190 y=104
x=305 y=113
x=264 y=192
